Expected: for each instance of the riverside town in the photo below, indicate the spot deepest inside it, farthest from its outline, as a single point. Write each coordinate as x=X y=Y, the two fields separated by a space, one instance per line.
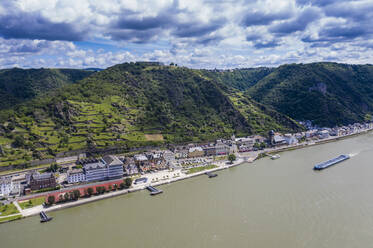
x=83 y=178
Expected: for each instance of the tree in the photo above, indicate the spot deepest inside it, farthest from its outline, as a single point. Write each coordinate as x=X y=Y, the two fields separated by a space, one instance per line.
x=51 y=199
x=231 y=158
x=368 y=118
x=122 y=186
x=66 y=196
x=60 y=198
x=100 y=189
x=90 y=191
x=128 y=182
x=76 y=194
x=115 y=186
x=19 y=141
x=110 y=188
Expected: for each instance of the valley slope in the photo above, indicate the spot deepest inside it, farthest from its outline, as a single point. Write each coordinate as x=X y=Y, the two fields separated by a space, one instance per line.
x=132 y=105
x=329 y=94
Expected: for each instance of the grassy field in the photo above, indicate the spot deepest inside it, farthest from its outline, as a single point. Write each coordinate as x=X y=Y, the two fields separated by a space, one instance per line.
x=6 y=219
x=32 y=202
x=8 y=210
x=202 y=168
x=154 y=137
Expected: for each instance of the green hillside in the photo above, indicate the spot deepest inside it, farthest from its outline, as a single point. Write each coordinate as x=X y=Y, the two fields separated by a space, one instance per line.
x=326 y=93
x=132 y=104
x=18 y=85
x=241 y=79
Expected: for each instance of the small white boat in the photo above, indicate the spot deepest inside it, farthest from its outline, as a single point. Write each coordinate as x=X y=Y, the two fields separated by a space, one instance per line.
x=276 y=156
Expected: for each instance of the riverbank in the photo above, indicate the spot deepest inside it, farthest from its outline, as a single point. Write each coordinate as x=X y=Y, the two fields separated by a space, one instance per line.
x=314 y=143
x=163 y=177
x=167 y=177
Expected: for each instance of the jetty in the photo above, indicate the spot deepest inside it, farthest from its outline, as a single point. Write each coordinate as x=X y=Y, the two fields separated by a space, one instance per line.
x=210 y=174
x=154 y=191
x=44 y=217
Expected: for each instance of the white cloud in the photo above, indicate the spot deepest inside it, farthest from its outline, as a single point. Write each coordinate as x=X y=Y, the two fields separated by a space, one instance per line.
x=188 y=32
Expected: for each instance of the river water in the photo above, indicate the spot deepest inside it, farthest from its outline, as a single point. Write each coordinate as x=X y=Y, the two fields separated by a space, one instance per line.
x=280 y=203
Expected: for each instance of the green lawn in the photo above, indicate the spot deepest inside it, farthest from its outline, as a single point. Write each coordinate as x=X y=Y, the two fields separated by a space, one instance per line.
x=8 y=209
x=202 y=168
x=5 y=219
x=32 y=202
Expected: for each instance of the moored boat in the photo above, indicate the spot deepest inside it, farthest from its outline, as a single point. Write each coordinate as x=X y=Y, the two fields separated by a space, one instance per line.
x=276 y=156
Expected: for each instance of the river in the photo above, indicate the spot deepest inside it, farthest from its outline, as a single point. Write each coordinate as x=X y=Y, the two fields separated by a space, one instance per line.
x=269 y=203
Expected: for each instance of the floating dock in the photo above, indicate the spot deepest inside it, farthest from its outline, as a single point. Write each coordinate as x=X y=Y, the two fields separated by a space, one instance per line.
x=154 y=191
x=210 y=174
x=44 y=217
x=331 y=162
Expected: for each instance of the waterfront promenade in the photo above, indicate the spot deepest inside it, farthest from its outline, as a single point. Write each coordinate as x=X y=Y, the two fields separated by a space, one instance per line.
x=154 y=179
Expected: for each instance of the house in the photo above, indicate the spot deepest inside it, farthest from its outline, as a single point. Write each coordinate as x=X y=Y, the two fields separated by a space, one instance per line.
x=279 y=140
x=42 y=181
x=140 y=159
x=243 y=148
x=194 y=152
x=245 y=141
x=130 y=167
x=290 y=139
x=259 y=139
x=311 y=133
x=209 y=150
x=168 y=156
x=221 y=148
x=324 y=134
x=181 y=153
x=75 y=176
x=19 y=182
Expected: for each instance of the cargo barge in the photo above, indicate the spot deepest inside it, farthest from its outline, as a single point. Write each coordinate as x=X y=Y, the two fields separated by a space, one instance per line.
x=331 y=162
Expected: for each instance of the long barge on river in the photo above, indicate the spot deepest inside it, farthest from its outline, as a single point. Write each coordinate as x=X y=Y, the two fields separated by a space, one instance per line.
x=326 y=164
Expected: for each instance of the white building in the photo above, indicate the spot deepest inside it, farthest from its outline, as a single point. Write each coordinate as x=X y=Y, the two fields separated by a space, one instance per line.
x=114 y=167
x=290 y=139
x=109 y=167
x=8 y=187
x=168 y=156
x=75 y=176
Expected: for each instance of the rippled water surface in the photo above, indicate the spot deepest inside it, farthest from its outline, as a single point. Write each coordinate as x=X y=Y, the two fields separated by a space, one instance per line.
x=280 y=203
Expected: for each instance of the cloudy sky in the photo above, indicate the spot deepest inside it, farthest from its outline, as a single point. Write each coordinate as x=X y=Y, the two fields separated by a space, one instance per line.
x=197 y=34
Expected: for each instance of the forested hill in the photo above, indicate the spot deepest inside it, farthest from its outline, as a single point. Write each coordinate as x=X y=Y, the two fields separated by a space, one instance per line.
x=47 y=111
x=241 y=79
x=133 y=104
x=327 y=93
x=18 y=85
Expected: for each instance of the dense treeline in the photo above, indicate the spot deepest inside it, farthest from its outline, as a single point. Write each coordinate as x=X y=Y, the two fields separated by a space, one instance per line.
x=327 y=93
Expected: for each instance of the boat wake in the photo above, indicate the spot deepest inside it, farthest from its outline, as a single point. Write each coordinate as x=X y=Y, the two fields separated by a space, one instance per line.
x=353 y=154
